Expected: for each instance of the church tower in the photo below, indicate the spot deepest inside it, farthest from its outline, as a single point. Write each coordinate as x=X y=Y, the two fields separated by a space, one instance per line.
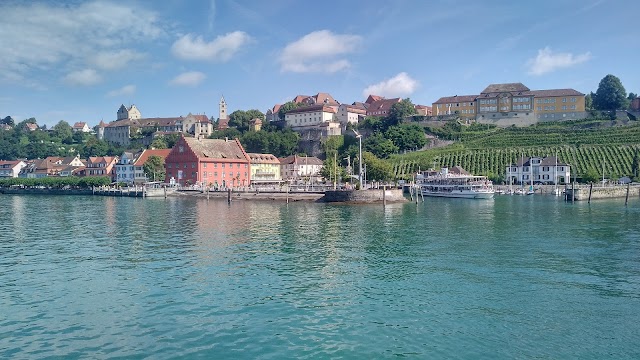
x=222 y=108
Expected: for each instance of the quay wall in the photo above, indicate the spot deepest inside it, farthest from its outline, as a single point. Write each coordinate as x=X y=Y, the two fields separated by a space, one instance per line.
x=599 y=192
x=18 y=191
x=364 y=196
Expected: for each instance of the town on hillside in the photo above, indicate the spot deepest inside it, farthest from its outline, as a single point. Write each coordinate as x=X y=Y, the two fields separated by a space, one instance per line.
x=505 y=132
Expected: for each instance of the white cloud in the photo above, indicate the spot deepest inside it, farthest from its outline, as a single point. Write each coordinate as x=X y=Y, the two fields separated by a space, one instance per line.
x=86 y=77
x=397 y=86
x=123 y=91
x=55 y=36
x=548 y=61
x=191 y=78
x=319 y=51
x=114 y=60
x=222 y=48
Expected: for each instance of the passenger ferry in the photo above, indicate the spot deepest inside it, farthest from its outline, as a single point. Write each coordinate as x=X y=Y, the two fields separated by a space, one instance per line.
x=455 y=184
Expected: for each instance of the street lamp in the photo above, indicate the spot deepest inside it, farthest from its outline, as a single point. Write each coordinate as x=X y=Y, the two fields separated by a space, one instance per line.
x=359 y=136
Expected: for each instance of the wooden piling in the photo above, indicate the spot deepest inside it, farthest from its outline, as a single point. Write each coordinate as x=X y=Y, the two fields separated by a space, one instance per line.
x=384 y=195
x=229 y=196
x=573 y=192
x=590 y=190
x=626 y=199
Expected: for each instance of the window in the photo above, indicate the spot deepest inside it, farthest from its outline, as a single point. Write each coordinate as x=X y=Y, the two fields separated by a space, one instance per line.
x=204 y=165
x=564 y=100
x=564 y=107
x=573 y=107
x=185 y=165
x=574 y=99
x=223 y=166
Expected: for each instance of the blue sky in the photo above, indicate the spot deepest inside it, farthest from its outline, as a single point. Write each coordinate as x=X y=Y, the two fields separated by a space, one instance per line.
x=79 y=60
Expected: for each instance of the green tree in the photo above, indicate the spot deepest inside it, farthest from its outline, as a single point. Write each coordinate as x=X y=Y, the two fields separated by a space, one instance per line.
x=635 y=165
x=230 y=133
x=159 y=143
x=377 y=170
x=288 y=106
x=591 y=176
x=632 y=96
x=379 y=146
x=95 y=147
x=374 y=123
x=399 y=111
x=7 y=121
x=241 y=119
x=154 y=168
x=610 y=95
x=588 y=101
x=63 y=131
x=406 y=136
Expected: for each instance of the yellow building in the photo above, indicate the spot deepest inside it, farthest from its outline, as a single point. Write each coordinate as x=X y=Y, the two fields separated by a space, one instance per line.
x=464 y=106
x=265 y=169
x=514 y=104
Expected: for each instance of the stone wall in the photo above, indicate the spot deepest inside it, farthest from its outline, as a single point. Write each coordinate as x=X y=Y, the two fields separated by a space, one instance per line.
x=364 y=196
x=607 y=192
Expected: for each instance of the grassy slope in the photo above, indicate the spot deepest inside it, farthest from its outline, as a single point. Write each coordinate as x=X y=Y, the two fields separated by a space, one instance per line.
x=586 y=145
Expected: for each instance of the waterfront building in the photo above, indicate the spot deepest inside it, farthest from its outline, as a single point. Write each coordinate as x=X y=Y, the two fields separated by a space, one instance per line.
x=124 y=167
x=265 y=169
x=139 y=177
x=81 y=127
x=102 y=166
x=514 y=104
x=635 y=104
x=215 y=162
x=53 y=166
x=548 y=170
x=273 y=114
x=11 y=169
x=296 y=169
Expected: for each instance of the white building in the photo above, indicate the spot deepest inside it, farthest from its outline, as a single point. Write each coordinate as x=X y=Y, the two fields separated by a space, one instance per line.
x=537 y=170
x=306 y=117
x=295 y=169
x=11 y=169
x=350 y=114
x=124 y=167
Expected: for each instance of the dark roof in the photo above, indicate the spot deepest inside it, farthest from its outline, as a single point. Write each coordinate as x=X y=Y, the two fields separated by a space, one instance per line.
x=458 y=170
x=456 y=98
x=263 y=158
x=373 y=98
x=316 y=107
x=553 y=92
x=301 y=160
x=511 y=87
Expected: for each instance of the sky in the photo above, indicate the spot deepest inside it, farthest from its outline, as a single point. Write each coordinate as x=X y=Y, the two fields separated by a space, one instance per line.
x=80 y=60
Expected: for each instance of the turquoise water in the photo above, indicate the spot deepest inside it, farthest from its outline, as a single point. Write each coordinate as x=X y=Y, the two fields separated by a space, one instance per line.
x=513 y=277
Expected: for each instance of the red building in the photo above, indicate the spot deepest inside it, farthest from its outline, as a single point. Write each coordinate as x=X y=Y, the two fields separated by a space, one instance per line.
x=208 y=162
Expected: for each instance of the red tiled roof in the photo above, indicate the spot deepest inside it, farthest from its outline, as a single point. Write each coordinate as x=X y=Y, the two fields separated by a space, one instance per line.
x=163 y=153
x=373 y=98
x=300 y=98
x=456 y=98
x=79 y=125
x=382 y=105
x=217 y=148
x=10 y=162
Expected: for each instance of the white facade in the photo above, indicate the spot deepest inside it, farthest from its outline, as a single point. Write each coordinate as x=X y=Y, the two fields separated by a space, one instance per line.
x=314 y=116
x=347 y=114
x=124 y=168
x=538 y=171
x=11 y=169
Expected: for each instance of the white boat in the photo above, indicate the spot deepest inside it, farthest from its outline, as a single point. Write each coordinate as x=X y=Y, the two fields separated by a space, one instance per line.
x=455 y=185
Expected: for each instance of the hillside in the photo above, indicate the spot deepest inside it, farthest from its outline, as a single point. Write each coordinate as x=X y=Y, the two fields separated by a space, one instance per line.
x=586 y=145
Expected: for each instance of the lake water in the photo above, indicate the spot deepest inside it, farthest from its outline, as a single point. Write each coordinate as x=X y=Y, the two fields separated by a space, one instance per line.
x=512 y=277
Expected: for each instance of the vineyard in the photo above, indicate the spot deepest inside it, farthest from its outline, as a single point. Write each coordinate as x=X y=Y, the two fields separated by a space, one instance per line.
x=490 y=152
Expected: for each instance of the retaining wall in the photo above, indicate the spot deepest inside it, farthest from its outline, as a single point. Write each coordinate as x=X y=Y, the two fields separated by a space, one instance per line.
x=364 y=196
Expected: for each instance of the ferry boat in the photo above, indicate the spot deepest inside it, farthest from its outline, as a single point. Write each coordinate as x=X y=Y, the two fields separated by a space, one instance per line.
x=457 y=184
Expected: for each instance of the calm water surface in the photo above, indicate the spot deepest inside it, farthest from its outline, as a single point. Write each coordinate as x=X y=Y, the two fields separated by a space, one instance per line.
x=513 y=277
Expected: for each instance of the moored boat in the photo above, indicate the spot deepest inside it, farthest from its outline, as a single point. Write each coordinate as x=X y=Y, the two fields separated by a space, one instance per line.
x=458 y=184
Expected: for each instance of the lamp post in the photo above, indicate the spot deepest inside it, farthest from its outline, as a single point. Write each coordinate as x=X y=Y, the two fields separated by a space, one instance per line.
x=359 y=136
